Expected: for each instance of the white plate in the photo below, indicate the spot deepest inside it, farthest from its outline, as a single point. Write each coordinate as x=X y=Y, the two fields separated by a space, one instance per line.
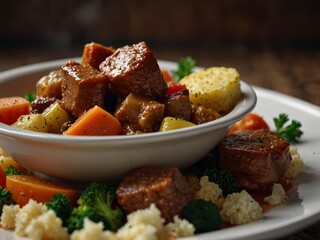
x=302 y=207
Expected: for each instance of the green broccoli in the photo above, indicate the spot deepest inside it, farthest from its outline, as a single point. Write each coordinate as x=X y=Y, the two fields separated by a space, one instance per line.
x=76 y=220
x=204 y=215
x=224 y=179
x=11 y=170
x=5 y=198
x=97 y=202
x=61 y=205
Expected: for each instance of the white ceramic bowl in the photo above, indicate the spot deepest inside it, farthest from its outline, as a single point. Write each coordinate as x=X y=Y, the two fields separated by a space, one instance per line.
x=78 y=158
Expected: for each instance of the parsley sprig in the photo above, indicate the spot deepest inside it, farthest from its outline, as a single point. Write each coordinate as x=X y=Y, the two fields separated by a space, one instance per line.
x=30 y=96
x=185 y=67
x=290 y=132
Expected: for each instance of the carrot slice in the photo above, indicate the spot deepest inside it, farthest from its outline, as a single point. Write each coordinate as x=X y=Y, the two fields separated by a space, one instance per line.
x=11 y=108
x=167 y=77
x=25 y=187
x=96 y=121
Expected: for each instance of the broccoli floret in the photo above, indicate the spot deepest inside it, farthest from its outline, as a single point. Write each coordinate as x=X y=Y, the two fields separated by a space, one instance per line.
x=11 y=170
x=204 y=215
x=75 y=221
x=98 y=203
x=61 y=205
x=224 y=179
x=5 y=198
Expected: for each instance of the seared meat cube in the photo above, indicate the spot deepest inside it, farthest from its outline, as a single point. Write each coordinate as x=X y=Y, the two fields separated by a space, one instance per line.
x=41 y=103
x=133 y=69
x=257 y=158
x=140 y=114
x=202 y=114
x=82 y=88
x=94 y=54
x=178 y=105
x=50 y=85
x=167 y=188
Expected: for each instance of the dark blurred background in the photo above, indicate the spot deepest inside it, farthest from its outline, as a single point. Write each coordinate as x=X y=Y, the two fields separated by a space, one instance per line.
x=270 y=42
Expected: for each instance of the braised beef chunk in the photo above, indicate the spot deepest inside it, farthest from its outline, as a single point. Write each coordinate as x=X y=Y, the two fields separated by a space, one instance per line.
x=257 y=158
x=178 y=105
x=50 y=85
x=202 y=114
x=94 y=54
x=133 y=69
x=166 y=188
x=138 y=113
x=82 y=88
x=41 y=103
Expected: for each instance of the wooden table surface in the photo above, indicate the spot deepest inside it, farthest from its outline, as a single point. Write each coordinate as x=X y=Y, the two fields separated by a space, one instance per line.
x=295 y=72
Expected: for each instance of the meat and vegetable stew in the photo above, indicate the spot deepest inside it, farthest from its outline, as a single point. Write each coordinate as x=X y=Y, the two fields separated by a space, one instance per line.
x=123 y=91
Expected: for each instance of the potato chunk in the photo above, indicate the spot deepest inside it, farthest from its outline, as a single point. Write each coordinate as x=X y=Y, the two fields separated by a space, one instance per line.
x=170 y=123
x=217 y=88
x=55 y=116
x=33 y=122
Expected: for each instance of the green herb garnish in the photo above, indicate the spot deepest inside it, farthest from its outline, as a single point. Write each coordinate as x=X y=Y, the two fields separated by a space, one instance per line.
x=185 y=67
x=30 y=96
x=290 y=132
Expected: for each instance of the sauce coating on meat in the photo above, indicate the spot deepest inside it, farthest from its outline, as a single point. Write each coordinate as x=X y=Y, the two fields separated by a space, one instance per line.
x=83 y=87
x=257 y=158
x=166 y=188
x=94 y=54
x=134 y=69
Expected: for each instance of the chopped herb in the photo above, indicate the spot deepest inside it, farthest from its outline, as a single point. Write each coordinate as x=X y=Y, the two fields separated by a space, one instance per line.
x=185 y=67
x=290 y=132
x=30 y=96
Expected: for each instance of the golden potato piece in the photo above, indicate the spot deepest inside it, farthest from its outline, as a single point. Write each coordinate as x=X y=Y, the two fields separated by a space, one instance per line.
x=33 y=122
x=170 y=123
x=217 y=88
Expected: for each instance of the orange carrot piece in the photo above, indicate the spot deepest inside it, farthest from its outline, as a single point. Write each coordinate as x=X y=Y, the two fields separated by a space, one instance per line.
x=96 y=121
x=11 y=108
x=167 y=77
x=25 y=187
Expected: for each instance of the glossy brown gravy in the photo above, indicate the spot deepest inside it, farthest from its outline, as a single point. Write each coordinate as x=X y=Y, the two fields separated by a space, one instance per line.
x=259 y=196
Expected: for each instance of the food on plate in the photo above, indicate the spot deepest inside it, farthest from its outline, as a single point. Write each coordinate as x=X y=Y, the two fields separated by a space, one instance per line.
x=277 y=196
x=186 y=66
x=128 y=83
x=170 y=123
x=203 y=215
x=217 y=88
x=240 y=208
x=94 y=54
x=256 y=158
x=96 y=121
x=49 y=86
x=167 y=188
x=291 y=132
x=150 y=114
x=61 y=205
x=250 y=122
x=123 y=91
x=11 y=108
x=155 y=202
x=25 y=187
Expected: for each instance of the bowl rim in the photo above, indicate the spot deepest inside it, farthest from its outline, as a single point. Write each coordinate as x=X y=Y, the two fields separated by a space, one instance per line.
x=245 y=105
